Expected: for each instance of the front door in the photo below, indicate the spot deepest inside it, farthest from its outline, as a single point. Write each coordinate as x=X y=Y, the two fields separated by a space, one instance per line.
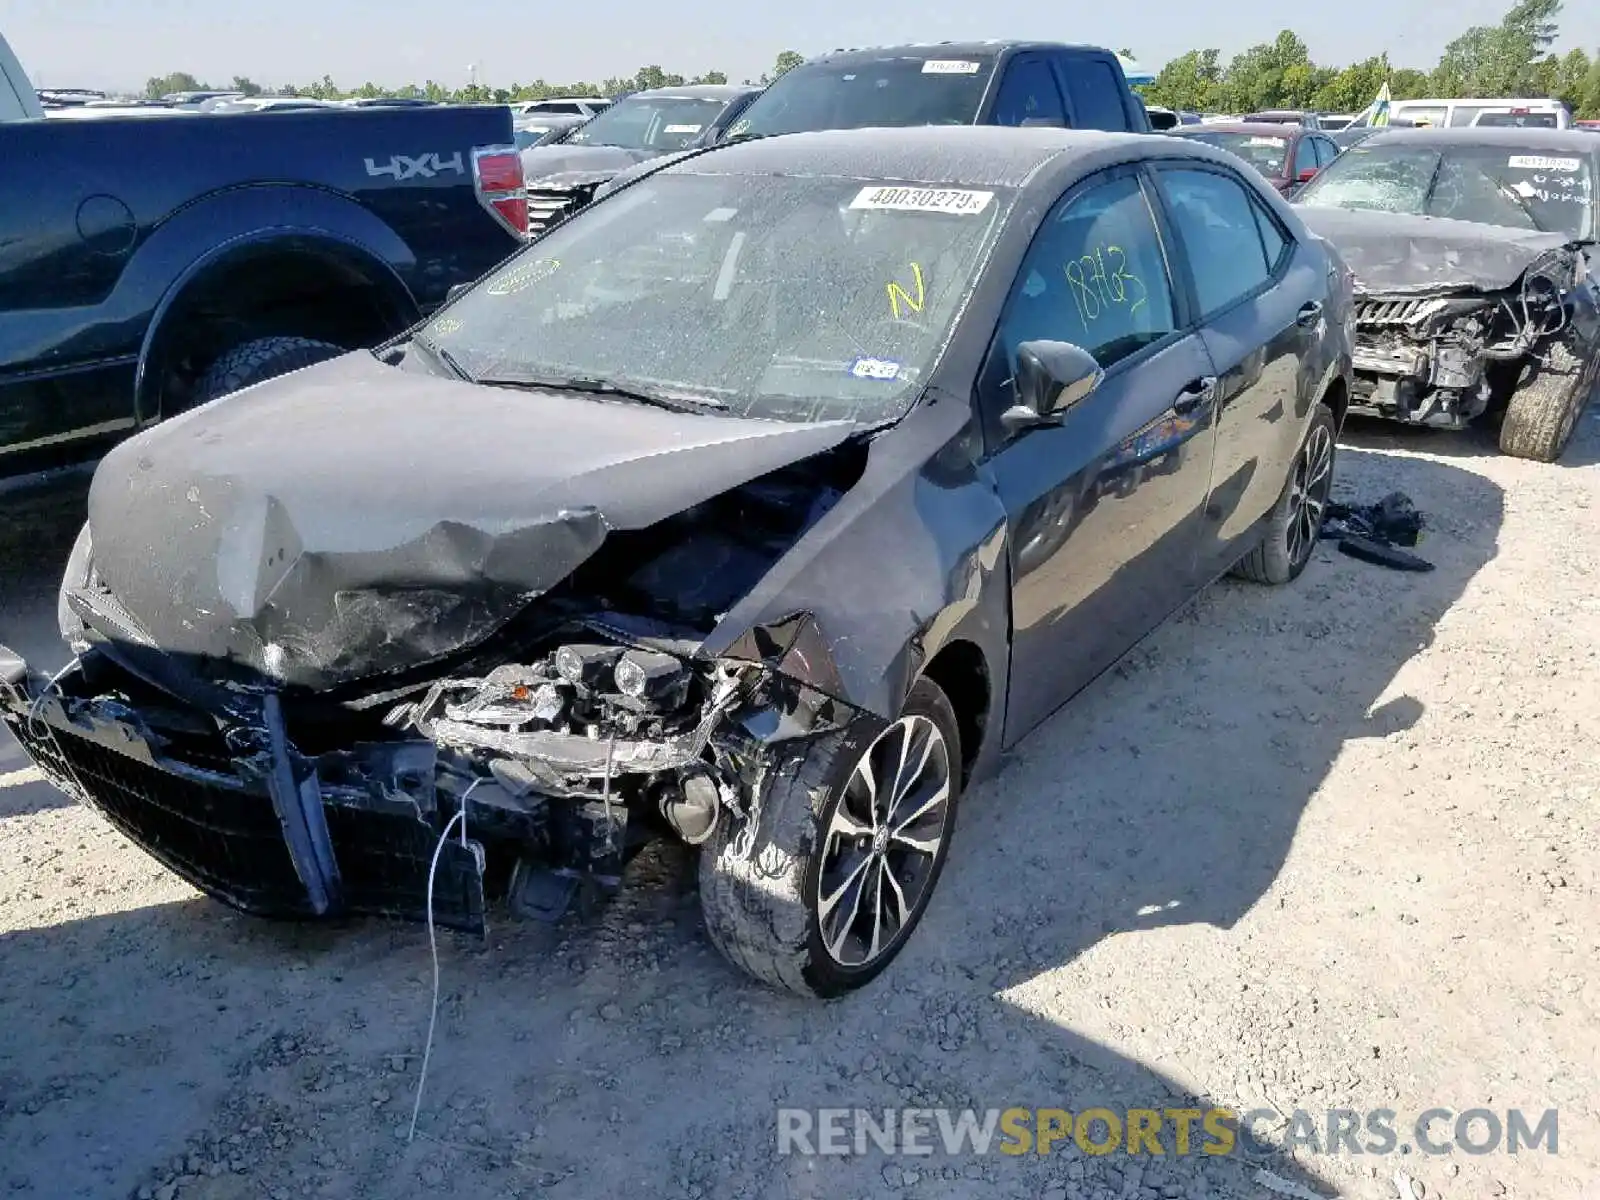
x=1104 y=506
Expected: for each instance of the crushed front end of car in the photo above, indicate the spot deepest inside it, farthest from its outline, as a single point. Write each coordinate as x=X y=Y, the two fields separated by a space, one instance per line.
x=1449 y=316
x=307 y=709
x=1443 y=360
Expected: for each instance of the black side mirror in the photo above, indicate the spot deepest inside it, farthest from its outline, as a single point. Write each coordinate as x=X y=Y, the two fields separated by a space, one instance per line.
x=1050 y=378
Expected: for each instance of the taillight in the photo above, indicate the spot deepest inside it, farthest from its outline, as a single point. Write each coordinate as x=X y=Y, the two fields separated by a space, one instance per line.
x=497 y=175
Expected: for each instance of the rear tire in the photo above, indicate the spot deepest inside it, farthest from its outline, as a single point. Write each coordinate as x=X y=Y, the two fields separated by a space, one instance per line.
x=257 y=361
x=764 y=901
x=1295 y=522
x=1542 y=414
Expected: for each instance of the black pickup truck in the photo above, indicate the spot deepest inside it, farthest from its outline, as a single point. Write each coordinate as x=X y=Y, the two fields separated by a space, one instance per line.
x=939 y=83
x=148 y=265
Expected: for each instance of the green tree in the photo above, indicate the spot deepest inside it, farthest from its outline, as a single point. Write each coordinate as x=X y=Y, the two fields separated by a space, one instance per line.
x=178 y=81
x=1353 y=88
x=787 y=60
x=246 y=86
x=1191 y=81
x=1407 y=83
x=1589 y=94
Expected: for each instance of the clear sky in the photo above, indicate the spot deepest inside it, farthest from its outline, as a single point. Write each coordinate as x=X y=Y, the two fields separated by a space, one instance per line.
x=118 y=44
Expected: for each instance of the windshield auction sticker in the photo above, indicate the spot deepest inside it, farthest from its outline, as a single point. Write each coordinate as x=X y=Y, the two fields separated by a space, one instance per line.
x=1538 y=162
x=949 y=66
x=904 y=199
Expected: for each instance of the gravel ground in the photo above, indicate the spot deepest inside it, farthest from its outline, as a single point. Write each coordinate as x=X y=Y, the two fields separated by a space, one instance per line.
x=1332 y=846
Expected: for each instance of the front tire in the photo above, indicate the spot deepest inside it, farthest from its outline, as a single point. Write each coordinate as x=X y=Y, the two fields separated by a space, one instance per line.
x=1295 y=522
x=850 y=841
x=1542 y=414
x=255 y=362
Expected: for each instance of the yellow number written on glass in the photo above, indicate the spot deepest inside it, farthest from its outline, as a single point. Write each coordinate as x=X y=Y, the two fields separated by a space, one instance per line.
x=1095 y=289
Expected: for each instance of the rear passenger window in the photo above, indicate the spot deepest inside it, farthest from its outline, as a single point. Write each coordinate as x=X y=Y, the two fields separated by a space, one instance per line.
x=1028 y=93
x=1095 y=94
x=1273 y=240
x=1219 y=226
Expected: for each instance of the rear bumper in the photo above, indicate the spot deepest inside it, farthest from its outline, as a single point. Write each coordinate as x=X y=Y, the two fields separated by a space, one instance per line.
x=261 y=832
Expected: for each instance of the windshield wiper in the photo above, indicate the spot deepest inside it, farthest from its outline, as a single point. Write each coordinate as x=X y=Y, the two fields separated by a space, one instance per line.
x=593 y=385
x=1521 y=201
x=443 y=356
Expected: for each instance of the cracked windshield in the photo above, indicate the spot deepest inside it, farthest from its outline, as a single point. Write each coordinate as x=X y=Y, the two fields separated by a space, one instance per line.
x=799 y=298
x=1499 y=184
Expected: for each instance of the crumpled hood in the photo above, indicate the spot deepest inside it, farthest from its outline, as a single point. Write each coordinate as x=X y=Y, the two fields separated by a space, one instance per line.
x=353 y=518
x=1397 y=252
x=564 y=165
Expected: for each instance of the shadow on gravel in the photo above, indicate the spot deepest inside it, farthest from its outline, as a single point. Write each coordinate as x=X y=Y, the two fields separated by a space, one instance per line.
x=619 y=1053
x=1371 y=433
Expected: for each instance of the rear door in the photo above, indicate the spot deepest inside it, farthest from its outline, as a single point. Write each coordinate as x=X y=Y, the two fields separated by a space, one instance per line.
x=1028 y=94
x=1259 y=298
x=1097 y=97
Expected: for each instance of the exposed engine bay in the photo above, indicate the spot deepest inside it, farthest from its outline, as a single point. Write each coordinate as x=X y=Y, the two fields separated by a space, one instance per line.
x=1443 y=357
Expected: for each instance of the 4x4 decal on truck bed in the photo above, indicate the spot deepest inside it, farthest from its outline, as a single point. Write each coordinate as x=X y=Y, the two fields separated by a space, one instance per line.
x=402 y=166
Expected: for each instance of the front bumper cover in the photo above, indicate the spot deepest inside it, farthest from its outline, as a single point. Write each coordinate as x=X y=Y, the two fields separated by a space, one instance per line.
x=273 y=833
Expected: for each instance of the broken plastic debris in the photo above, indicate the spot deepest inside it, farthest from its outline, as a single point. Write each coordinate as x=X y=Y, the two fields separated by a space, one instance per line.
x=1374 y=532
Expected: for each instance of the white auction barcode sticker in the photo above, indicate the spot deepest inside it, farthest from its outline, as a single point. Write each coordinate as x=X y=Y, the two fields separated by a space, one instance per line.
x=906 y=199
x=1538 y=162
x=949 y=66
x=682 y=129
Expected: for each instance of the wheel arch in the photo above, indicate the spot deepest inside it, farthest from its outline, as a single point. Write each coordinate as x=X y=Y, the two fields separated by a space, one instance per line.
x=1337 y=397
x=321 y=285
x=962 y=672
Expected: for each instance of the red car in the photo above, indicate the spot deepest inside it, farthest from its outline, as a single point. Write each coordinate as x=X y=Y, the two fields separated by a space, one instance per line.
x=1288 y=155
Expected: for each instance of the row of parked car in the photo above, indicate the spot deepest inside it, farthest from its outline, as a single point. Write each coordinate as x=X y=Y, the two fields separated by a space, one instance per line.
x=762 y=501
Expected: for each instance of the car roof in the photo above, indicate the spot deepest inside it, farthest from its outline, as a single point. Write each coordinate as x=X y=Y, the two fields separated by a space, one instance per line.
x=1511 y=137
x=1254 y=128
x=939 y=155
x=983 y=49
x=697 y=91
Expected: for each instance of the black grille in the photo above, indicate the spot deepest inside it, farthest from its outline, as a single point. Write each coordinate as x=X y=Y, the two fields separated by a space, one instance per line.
x=222 y=833
x=547 y=208
x=225 y=839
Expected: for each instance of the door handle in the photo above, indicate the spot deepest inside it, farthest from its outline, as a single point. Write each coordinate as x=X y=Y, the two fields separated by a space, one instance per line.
x=1196 y=395
x=1310 y=313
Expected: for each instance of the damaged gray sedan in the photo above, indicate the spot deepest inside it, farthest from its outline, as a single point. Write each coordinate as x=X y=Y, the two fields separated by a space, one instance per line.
x=1478 y=284
x=760 y=505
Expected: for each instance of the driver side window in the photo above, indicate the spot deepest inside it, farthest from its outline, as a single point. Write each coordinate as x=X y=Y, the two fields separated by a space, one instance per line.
x=1096 y=275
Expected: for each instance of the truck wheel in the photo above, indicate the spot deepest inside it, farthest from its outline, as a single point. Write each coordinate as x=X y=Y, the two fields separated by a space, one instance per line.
x=262 y=359
x=850 y=840
x=1296 y=521
x=1543 y=412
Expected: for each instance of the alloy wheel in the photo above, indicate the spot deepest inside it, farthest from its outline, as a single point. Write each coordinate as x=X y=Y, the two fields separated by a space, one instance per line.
x=882 y=842
x=1308 y=493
